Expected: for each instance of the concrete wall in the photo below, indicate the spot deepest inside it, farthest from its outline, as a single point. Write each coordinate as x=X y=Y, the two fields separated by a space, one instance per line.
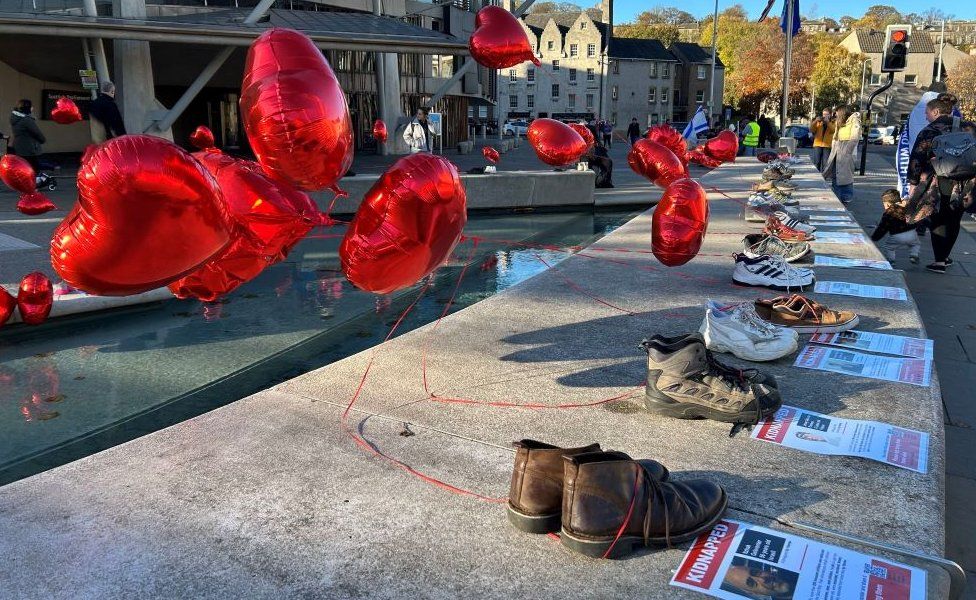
x=501 y=190
x=633 y=84
x=60 y=138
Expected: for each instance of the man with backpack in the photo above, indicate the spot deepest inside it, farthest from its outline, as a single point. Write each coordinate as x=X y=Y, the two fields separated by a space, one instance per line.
x=941 y=173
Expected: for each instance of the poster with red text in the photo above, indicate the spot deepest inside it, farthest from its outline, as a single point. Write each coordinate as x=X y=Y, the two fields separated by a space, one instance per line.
x=737 y=561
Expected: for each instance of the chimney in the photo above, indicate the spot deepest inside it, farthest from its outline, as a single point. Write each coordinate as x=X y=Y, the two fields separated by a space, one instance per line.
x=606 y=13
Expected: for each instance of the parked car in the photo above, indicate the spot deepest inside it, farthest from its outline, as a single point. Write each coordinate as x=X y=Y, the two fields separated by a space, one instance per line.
x=516 y=128
x=882 y=135
x=804 y=139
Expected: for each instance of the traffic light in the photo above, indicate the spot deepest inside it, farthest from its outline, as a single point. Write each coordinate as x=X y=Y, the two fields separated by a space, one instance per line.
x=897 y=41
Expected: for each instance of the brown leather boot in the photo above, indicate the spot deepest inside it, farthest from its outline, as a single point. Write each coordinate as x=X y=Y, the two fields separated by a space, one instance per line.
x=612 y=504
x=536 y=495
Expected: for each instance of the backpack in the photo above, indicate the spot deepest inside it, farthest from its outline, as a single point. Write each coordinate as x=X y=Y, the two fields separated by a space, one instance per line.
x=954 y=154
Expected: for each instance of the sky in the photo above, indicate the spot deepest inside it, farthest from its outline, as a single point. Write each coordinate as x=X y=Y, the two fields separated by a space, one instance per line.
x=625 y=10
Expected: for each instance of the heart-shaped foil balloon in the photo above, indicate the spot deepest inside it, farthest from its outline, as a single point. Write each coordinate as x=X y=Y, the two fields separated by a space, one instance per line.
x=679 y=223
x=380 y=134
x=270 y=218
x=499 y=41
x=294 y=112
x=699 y=157
x=147 y=214
x=7 y=305
x=407 y=225
x=20 y=177
x=585 y=133
x=723 y=147
x=670 y=138
x=554 y=142
x=490 y=154
x=65 y=111
x=655 y=162
x=202 y=138
x=35 y=297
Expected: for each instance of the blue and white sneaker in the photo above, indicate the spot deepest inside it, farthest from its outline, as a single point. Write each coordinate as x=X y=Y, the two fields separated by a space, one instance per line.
x=770 y=271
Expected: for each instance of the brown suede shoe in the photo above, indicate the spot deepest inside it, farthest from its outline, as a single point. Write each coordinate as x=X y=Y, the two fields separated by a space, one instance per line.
x=612 y=505
x=536 y=495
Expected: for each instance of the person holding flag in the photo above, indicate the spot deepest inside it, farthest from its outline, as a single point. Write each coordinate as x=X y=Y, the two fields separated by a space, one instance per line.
x=697 y=125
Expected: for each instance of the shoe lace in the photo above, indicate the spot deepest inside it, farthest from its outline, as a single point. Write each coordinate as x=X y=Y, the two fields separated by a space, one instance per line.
x=653 y=490
x=732 y=377
x=746 y=313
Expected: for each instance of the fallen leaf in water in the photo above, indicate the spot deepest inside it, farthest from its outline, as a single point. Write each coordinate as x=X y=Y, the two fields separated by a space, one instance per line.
x=47 y=416
x=55 y=398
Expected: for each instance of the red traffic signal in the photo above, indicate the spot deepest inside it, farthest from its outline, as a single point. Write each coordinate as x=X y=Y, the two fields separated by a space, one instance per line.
x=895 y=51
x=899 y=35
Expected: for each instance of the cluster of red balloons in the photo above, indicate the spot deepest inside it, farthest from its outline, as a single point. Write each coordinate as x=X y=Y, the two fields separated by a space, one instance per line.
x=720 y=149
x=655 y=162
x=670 y=138
x=34 y=299
x=554 y=142
x=20 y=177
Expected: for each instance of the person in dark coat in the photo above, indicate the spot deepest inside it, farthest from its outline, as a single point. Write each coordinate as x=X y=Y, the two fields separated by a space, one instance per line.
x=600 y=163
x=28 y=139
x=633 y=131
x=106 y=112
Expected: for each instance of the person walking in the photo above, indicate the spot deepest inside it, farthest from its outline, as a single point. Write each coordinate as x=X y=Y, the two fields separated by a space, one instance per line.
x=750 y=136
x=607 y=130
x=28 y=138
x=822 y=129
x=945 y=222
x=633 y=131
x=895 y=225
x=104 y=111
x=766 y=133
x=839 y=170
x=417 y=134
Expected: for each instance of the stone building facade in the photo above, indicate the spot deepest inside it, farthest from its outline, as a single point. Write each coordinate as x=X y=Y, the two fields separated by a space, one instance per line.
x=693 y=77
x=641 y=82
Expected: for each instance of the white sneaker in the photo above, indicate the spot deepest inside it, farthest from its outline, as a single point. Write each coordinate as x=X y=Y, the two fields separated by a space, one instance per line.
x=770 y=271
x=737 y=329
x=786 y=219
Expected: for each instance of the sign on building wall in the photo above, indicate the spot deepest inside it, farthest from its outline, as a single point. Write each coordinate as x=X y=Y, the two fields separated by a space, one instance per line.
x=89 y=80
x=435 y=120
x=50 y=97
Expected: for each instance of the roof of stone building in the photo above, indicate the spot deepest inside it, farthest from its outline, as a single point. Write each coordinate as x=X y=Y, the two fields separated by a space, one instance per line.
x=694 y=53
x=640 y=49
x=871 y=42
x=564 y=20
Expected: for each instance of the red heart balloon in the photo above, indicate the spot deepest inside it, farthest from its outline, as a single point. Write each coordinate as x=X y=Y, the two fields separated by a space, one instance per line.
x=147 y=214
x=202 y=138
x=35 y=298
x=7 y=305
x=655 y=162
x=554 y=142
x=380 y=133
x=679 y=223
x=699 y=157
x=498 y=40
x=19 y=175
x=65 y=111
x=407 y=225
x=723 y=147
x=767 y=156
x=270 y=218
x=294 y=112
x=490 y=154
x=585 y=133
x=670 y=138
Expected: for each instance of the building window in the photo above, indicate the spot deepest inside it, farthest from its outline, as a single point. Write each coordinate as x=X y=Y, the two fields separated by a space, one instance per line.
x=555 y=90
x=572 y=75
x=590 y=75
x=572 y=100
x=530 y=75
x=652 y=95
x=701 y=71
x=555 y=65
x=589 y=101
x=911 y=79
x=550 y=45
x=875 y=79
x=652 y=69
x=613 y=92
x=574 y=49
x=615 y=65
x=699 y=96
x=665 y=70
x=664 y=95
x=530 y=101
x=512 y=75
x=654 y=119
x=513 y=101
x=582 y=24
x=591 y=50
x=613 y=118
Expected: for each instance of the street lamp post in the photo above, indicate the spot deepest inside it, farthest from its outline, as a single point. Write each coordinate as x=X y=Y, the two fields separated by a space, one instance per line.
x=864 y=69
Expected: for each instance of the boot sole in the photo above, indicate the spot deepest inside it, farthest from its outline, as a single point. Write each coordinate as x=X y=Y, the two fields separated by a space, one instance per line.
x=660 y=404
x=627 y=543
x=533 y=524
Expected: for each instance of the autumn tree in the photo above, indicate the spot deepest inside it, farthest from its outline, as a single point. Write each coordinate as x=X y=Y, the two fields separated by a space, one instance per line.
x=878 y=17
x=666 y=15
x=668 y=34
x=961 y=81
x=836 y=73
x=733 y=28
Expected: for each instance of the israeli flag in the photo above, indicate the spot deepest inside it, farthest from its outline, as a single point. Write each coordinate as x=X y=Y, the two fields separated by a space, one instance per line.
x=698 y=124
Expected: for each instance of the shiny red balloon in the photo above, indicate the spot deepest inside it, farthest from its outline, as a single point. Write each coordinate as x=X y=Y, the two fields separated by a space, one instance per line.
x=670 y=138
x=585 y=133
x=35 y=298
x=407 y=225
x=490 y=154
x=65 y=111
x=723 y=147
x=7 y=305
x=379 y=131
x=270 y=218
x=655 y=162
x=679 y=222
x=147 y=214
x=554 y=142
x=19 y=175
x=499 y=41
x=202 y=138
x=767 y=156
x=294 y=112
x=699 y=157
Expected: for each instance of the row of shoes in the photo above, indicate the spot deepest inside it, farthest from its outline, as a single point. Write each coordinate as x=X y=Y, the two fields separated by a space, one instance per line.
x=604 y=504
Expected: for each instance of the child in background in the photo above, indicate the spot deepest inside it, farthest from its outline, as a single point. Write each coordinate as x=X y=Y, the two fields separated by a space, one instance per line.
x=894 y=224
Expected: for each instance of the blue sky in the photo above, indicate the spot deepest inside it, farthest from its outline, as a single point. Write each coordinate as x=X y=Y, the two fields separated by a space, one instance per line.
x=625 y=10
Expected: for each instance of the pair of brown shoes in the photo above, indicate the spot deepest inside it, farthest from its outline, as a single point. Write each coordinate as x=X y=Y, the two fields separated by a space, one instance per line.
x=605 y=503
